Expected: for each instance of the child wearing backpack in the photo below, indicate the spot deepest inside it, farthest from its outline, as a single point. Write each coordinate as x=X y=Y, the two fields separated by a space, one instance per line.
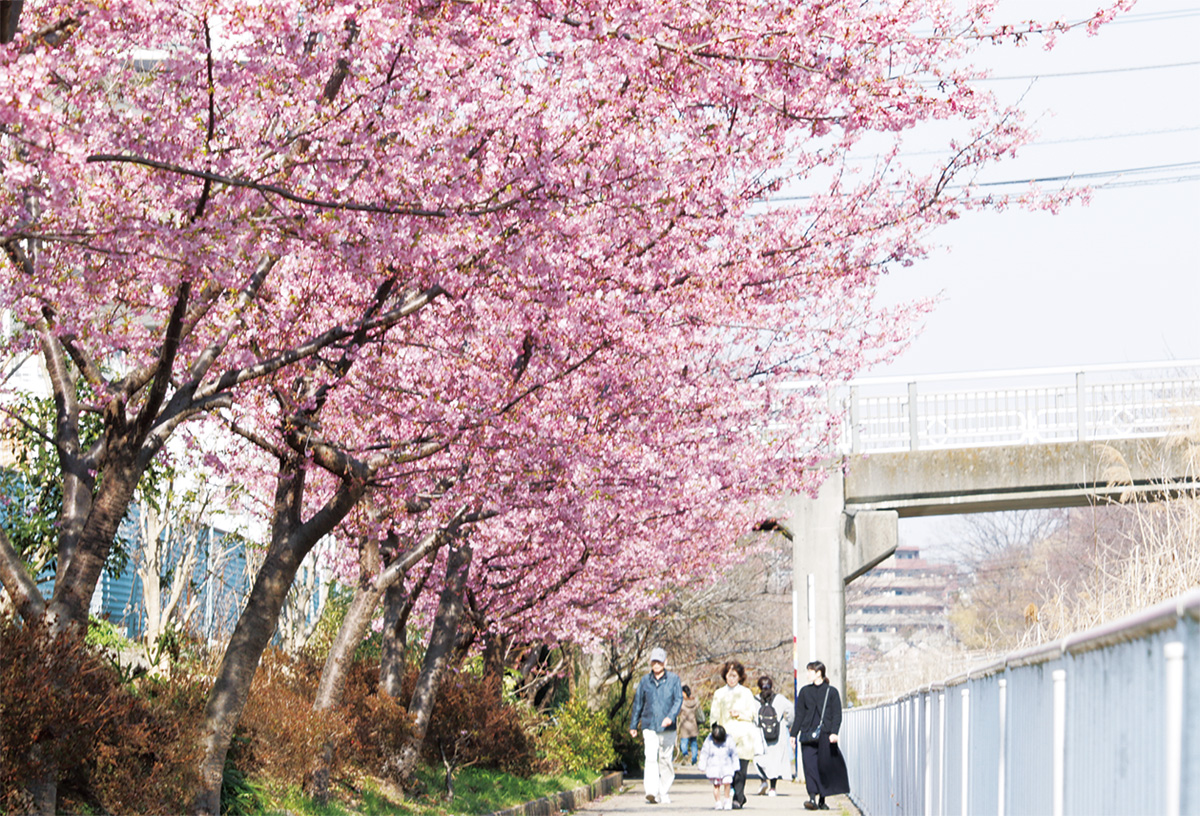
x=719 y=761
x=774 y=719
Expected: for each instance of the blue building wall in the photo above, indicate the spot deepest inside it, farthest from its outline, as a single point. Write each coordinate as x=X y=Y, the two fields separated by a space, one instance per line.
x=119 y=597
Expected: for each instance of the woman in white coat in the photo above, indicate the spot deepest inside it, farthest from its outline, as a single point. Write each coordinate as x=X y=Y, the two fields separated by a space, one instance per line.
x=734 y=707
x=774 y=759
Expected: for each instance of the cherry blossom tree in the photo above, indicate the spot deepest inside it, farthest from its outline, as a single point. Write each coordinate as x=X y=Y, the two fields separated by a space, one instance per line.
x=389 y=240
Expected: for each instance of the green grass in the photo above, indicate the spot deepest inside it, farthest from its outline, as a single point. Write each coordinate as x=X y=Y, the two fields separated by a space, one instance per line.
x=476 y=790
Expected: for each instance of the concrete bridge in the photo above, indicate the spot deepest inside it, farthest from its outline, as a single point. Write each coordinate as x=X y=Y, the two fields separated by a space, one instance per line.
x=975 y=443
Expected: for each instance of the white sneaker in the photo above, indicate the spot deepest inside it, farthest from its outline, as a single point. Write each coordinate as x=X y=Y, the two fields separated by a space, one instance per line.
x=663 y=798
x=771 y=792
x=719 y=805
x=762 y=789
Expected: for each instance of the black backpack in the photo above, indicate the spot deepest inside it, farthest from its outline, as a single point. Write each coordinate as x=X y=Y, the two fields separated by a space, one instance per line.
x=768 y=721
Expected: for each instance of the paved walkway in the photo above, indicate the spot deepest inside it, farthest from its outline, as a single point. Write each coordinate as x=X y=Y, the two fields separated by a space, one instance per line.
x=692 y=794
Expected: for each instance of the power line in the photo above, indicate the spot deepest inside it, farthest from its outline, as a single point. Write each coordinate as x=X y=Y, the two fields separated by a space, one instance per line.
x=1106 y=136
x=1088 y=73
x=1118 y=185
x=1044 y=142
x=1099 y=174
x=1155 y=16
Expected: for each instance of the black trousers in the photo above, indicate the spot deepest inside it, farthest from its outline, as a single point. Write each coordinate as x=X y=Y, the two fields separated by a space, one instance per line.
x=739 y=782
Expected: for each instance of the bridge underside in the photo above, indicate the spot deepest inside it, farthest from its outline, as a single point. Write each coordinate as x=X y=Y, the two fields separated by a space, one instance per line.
x=977 y=480
x=852 y=524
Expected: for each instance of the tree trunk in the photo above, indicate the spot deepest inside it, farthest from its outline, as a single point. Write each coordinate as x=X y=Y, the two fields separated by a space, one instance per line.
x=44 y=791
x=441 y=641
x=291 y=541
x=333 y=674
x=75 y=584
x=351 y=633
x=495 y=647
x=66 y=613
x=396 y=607
x=232 y=686
x=362 y=608
x=398 y=604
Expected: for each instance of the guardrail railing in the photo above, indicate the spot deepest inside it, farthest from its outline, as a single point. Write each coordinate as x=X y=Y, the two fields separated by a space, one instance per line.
x=1028 y=406
x=1102 y=722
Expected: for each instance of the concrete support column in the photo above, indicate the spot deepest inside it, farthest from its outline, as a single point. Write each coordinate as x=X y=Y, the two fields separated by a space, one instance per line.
x=830 y=549
x=817 y=532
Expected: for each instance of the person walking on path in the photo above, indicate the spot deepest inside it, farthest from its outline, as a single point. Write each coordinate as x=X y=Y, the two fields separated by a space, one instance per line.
x=719 y=761
x=818 y=706
x=734 y=707
x=774 y=719
x=655 y=711
x=689 y=726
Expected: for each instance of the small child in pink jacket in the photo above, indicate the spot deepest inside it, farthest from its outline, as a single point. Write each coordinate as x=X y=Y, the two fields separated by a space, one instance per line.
x=719 y=761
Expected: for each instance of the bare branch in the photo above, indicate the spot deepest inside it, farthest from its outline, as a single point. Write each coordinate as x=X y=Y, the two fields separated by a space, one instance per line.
x=165 y=362
x=324 y=204
x=415 y=302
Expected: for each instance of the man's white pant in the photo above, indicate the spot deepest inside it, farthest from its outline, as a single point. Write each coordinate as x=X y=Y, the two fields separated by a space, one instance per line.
x=660 y=761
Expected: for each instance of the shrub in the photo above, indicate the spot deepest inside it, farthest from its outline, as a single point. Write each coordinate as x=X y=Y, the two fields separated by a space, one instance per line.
x=578 y=739
x=378 y=724
x=282 y=735
x=102 y=634
x=239 y=796
x=470 y=722
x=103 y=742
x=472 y=725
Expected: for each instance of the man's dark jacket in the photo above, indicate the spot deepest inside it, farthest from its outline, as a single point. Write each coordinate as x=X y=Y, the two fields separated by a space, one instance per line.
x=656 y=699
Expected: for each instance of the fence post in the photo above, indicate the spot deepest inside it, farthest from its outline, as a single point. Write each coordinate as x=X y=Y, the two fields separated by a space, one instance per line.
x=913 y=437
x=1173 y=711
x=1003 y=686
x=927 y=697
x=1080 y=407
x=1060 y=740
x=966 y=745
x=942 y=751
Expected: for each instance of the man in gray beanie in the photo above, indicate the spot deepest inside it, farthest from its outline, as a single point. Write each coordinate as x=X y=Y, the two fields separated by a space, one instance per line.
x=656 y=711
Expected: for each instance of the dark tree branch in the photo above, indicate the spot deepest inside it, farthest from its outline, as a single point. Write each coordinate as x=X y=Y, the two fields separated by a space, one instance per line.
x=324 y=204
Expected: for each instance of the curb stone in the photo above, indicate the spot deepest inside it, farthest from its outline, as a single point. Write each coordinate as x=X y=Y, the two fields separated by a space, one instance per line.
x=566 y=801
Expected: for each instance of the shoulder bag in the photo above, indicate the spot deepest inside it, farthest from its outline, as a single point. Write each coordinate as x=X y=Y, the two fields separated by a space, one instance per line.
x=813 y=736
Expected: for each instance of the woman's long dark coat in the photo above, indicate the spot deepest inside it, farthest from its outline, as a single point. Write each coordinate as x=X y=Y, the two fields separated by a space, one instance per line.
x=831 y=776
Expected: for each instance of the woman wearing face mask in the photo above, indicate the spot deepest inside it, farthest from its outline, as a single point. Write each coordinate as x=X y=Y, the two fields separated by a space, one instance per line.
x=734 y=707
x=819 y=705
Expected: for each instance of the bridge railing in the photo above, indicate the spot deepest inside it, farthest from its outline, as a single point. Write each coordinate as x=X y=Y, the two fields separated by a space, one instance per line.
x=1018 y=407
x=1103 y=722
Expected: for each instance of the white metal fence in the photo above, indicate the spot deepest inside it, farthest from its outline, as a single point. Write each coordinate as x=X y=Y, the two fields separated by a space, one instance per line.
x=1019 y=407
x=1102 y=722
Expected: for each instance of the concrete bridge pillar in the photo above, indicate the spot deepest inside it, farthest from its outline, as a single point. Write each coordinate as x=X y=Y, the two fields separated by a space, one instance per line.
x=830 y=548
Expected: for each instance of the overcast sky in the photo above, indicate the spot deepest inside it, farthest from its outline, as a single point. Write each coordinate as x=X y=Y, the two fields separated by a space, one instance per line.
x=1116 y=281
